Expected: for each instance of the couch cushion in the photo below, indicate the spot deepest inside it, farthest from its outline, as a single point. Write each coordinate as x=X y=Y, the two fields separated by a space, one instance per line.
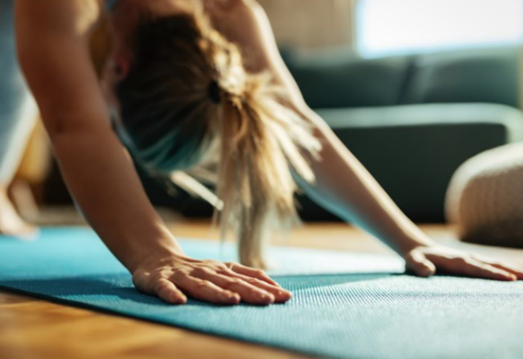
x=480 y=75
x=340 y=79
x=414 y=150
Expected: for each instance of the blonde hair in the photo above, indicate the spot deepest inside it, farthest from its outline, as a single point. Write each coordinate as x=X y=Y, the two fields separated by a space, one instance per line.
x=192 y=110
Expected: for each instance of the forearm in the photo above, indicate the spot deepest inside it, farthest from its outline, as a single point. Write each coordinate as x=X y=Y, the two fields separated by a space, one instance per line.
x=346 y=188
x=104 y=183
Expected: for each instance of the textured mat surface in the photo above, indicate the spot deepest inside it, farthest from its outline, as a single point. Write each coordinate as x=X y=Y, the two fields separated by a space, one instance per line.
x=344 y=306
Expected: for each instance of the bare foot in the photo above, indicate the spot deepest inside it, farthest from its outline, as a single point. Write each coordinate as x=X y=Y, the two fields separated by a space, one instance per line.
x=11 y=224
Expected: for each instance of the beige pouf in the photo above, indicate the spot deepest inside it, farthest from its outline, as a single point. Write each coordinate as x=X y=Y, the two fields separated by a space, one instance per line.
x=485 y=197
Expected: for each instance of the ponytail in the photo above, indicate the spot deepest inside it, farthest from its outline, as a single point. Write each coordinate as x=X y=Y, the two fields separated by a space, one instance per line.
x=262 y=143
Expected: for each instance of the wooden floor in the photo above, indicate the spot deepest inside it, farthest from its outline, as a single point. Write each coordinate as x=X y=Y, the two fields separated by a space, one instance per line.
x=35 y=329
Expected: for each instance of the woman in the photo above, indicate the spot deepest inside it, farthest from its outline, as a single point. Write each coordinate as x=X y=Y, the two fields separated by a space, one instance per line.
x=194 y=99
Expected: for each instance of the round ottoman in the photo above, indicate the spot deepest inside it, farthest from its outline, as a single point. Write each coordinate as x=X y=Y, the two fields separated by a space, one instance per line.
x=485 y=197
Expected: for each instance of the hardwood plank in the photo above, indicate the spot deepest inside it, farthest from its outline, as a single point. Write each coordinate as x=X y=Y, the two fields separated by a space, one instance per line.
x=32 y=328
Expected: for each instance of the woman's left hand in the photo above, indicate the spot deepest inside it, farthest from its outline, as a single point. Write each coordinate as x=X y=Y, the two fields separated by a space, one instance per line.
x=426 y=261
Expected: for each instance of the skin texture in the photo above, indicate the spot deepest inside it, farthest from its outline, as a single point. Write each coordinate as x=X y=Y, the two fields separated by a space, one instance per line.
x=53 y=39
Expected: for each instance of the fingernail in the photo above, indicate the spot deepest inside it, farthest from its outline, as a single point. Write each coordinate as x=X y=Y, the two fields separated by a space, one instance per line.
x=426 y=273
x=268 y=297
x=285 y=294
x=233 y=297
x=179 y=301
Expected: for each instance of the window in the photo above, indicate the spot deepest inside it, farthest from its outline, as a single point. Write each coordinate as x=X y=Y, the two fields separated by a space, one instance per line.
x=385 y=27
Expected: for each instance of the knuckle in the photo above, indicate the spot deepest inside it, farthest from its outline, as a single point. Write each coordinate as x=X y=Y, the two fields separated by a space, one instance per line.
x=199 y=271
x=158 y=277
x=141 y=275
x=178 y=275
x=468 y=261
x=230 y=283
x=202 y=283
x=460 y=260
x=234 y=281
x=161 y=286
x=215 y=263
x=259 y=272
x=224 y=271
x=221 y=266
x=413 y=256
x=137 y=278
x=251 y=280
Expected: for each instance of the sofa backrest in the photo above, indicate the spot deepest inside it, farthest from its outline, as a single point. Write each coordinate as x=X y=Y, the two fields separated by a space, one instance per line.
x=337 y=79
x=476 y=75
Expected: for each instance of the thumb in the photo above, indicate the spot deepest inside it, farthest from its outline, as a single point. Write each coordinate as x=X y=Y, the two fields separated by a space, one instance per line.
x=419 y=264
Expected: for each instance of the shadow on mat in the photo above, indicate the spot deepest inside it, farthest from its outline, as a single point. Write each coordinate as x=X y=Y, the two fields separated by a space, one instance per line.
x=296 y=282
x=121 y=286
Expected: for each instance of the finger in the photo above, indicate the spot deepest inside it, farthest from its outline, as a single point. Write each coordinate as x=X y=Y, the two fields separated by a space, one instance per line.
x=168 y=292
x=518 y=272
x=419 y=264
x=508 y=268
x=476 y=268
x=280 y=295
x=248 y=292
x=161 y=288
x=206 y=291
x=251 y=272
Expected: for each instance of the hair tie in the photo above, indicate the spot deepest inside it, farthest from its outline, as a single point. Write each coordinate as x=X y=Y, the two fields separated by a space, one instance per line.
x=214 y=92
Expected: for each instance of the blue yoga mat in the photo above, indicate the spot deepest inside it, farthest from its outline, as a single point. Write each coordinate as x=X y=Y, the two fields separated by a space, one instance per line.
x=344 y=305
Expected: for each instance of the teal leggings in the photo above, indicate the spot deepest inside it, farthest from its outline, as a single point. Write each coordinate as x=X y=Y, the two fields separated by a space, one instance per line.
x=17 y=107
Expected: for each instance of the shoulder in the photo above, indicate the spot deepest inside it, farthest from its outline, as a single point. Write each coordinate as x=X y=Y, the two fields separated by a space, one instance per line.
x=237 y=20
x=54 y=53
x=245 y=23
x=233 y=7
x=63 y=17
x=230 y=4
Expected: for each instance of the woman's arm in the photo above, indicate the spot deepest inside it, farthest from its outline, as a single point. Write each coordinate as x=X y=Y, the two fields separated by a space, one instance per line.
x=345 y=187
x=54 y=55
x=52 y=39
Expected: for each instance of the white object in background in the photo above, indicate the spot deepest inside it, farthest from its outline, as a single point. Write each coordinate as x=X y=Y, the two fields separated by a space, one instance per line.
x=385 y=27
x=485 y=197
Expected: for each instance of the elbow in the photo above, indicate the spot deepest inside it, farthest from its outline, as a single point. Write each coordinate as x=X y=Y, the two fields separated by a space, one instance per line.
x=62 y=127
x=57 y=126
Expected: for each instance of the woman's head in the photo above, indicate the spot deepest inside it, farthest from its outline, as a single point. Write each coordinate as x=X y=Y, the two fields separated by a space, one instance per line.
x=187 y=102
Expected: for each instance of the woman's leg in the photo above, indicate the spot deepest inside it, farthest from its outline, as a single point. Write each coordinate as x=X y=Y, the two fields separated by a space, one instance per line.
x=17 y=116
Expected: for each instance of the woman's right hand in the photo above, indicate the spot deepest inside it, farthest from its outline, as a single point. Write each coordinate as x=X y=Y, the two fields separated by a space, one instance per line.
x=175 y=277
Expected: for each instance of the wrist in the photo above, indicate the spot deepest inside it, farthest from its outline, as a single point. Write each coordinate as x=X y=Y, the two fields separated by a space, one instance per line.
x=156 y=249
x=413 y=240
